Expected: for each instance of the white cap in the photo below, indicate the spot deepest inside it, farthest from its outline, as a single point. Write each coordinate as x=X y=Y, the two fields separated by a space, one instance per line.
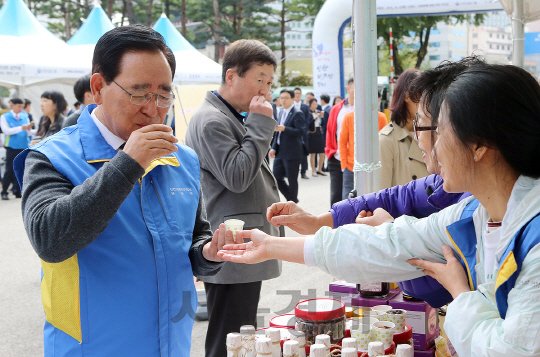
x=404 y=351
x=318 y=350
x=247 y=330
x=263 y=345
x=349 y=342
x=349 y=352
x=290 y=348
x=273 y=333
x=323 y=339
x=234 y=340
x=375 y=349
x=298 y=336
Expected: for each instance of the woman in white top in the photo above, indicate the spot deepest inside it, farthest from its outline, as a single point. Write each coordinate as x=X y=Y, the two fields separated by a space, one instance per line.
x=488 y=145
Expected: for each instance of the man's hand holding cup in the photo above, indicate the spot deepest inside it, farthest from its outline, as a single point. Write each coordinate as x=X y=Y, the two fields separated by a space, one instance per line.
x=149 y=142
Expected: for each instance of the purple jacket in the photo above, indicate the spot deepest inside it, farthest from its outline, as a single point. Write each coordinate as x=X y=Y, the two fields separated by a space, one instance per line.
x=418 y=198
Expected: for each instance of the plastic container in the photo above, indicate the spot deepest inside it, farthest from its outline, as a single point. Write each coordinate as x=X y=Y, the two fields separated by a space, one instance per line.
x=286 y=321
x=321 y=316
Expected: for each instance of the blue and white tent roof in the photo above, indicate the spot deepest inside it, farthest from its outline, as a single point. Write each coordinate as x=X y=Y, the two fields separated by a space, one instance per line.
x=96 y=24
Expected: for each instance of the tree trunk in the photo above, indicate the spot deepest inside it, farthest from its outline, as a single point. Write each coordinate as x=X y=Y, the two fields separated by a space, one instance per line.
x=239 y=22
x=398 y=67
x=217 y=40
x=183 y=19
x=124 y=6
x=283 y=51
x=167 y=8
x=30 y=5
x=67 y=20
x=422 y=52
x=130 y=12
x=235 y=19
x=109 y=9
x=149 y=13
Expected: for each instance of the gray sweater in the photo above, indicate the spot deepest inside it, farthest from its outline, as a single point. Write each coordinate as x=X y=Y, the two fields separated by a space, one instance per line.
x=62 y=219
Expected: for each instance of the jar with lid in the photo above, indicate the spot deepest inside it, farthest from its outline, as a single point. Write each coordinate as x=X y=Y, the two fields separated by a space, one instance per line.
x=373 y=290
x=321 y=316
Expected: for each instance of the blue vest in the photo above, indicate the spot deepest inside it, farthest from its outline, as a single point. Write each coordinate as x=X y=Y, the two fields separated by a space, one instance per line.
x=131 y=291
x=20 y=140
x=463 y=236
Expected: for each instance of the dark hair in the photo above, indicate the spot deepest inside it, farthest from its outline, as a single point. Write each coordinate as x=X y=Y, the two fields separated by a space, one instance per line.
x=336 y=99
x=297 y=88
x=312 y=100
x=112 y=46
x=291 y=92
x=351 y=80
x=58 y=99
x=399 y=112
x=76 y=104
x=325 y=98
x=27 y=102
x=311 y=93
x=498 y=106
x=378 y=94
x=16 y=101
x=242 y=55
x=82 y=86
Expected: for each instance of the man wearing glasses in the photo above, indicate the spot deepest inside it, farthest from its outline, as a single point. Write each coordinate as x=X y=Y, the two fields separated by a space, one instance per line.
x=114 y=209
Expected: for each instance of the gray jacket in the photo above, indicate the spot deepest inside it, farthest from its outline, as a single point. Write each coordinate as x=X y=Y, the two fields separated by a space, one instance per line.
x=235 y=178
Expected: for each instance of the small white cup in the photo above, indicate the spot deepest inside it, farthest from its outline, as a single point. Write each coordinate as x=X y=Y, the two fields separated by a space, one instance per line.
x=234 y=225
x=383 y=331
x=363 y=336
x=398 y=317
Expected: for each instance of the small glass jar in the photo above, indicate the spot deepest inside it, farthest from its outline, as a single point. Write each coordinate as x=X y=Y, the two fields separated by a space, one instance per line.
x=321 y=316
x=373 y=290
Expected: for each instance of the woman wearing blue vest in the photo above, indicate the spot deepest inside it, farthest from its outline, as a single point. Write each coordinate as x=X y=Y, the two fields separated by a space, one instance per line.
x=487 y=145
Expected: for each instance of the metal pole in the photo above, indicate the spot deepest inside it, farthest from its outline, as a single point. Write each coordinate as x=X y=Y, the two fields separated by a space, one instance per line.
x=518 y=34
x=365 y=96
x=391 y=65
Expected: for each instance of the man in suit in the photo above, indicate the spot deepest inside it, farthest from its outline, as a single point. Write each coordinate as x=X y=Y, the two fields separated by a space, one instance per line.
x=287 y=147
x=236 y=180
x=304 y=108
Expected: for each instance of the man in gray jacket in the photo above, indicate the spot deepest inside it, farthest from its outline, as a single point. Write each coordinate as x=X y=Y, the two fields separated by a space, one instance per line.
x=236 y=179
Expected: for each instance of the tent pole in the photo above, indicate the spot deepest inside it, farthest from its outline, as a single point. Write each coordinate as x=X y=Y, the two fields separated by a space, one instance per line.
x=365 y=96
x=518 y=34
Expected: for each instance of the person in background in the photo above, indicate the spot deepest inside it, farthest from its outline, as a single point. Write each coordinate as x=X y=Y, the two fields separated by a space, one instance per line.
x=77 y=105
x=309 y=97
x=27 y=109
x=274 y=106
x=17 y=127
x=277 y=102
x=337 y=100
x=53 y=104
x=326 y=107
x=287 y=147
x=333 y=129
x=236 y=179
x=119 y=232
x=401 y=159
x=382 y=118
x=316 y=139
x=68 y=111
x=83 y=93
x=302 y=107
x=346 y=153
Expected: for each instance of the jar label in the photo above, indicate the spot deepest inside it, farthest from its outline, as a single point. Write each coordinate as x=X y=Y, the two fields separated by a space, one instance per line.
x=374 y=287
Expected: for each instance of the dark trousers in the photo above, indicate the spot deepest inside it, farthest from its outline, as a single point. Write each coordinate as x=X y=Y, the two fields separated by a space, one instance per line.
x=348 y=183
x=229 y=307
x=288 y=169
x=9 y=174
x=336 y=180
x=304 y=167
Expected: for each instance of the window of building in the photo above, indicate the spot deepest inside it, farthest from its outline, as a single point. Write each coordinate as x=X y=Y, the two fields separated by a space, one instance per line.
x=293 y=36
x=435 y=32
x=435 y=44
x=490 y=47
x=288 y=36
x=474 y=47
x=460 y=45
x=490 y=35
x=434 y=58
x=475 y=35
x=497 y=35
x=459 y=33
x=306 y=24
x=497 y=46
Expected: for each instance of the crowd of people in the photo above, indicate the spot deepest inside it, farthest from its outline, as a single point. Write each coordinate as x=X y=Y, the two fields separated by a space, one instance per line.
x=122 y=217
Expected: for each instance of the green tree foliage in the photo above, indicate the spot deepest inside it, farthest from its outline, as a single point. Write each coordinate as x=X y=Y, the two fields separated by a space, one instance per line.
x=421 y=27
x=69 y=15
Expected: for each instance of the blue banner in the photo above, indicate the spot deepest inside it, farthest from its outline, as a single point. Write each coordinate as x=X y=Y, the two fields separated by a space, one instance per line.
x=532 y=43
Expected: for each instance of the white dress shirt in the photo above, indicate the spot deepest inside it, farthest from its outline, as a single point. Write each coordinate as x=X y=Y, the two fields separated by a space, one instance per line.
x=110 y=138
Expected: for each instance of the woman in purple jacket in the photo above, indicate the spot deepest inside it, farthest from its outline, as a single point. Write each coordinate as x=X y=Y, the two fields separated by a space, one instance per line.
x=418 y=198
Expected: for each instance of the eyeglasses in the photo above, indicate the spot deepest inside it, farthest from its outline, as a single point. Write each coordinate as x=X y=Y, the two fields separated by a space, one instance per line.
x=141 y=97
x=420 y=128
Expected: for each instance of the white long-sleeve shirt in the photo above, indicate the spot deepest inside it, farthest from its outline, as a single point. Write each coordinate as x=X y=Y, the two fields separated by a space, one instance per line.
x=7 y=130
x=361 y=254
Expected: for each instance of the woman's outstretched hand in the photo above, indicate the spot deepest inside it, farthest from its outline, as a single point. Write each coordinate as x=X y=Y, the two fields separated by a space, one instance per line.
x=450 y=275
x=248 y=253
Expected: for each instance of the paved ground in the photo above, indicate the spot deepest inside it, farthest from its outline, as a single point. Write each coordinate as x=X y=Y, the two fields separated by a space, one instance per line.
x=21 y=313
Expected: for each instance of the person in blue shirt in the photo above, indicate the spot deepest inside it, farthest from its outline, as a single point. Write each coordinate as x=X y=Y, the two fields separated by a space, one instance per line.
x=17 y=127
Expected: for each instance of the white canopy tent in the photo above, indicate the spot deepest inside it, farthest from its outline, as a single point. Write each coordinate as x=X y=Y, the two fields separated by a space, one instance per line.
x=34 y=60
